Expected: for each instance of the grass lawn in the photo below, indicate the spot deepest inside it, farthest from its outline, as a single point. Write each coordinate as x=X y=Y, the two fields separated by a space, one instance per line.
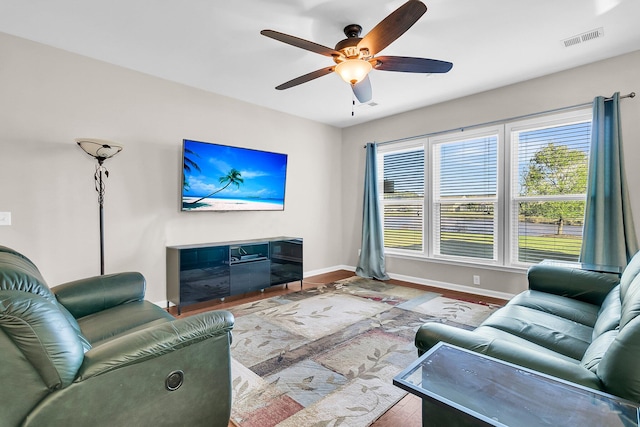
x=569 y=245
x=532 y=248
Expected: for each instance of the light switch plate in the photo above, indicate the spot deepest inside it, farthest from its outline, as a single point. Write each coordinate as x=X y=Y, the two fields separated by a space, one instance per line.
x=5 y=218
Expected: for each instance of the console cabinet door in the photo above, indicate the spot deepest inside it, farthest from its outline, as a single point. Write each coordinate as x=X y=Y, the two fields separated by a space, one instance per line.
x=286 y=261
x=204 y=274
x=249 y=276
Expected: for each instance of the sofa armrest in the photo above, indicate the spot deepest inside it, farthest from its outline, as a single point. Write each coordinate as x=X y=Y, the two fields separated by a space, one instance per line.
x=431 y=333
x=154 y=342
x=583 y=285
x=93 y=294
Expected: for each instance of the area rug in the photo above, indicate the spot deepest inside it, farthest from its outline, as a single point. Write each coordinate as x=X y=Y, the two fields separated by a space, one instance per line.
x=326 y=356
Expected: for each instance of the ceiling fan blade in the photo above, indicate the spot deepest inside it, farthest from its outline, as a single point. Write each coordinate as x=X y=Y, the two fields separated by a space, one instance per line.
x=410 y=65
x=301 y=43
x=393 y=26
x=362 y=90
x=305 y=78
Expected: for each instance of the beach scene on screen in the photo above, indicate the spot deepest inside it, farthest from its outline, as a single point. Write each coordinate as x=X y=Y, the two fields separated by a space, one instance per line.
x=224 y=178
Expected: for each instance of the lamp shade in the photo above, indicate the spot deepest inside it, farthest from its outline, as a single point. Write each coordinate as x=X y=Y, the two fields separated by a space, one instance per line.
x=99 y=148
x=353 y=71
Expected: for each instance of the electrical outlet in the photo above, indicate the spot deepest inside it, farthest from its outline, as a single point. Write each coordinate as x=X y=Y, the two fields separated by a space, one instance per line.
x=5 y=218
x=476 y=280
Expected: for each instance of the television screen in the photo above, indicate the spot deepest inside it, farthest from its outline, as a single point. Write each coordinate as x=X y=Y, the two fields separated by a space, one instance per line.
x=222 y=178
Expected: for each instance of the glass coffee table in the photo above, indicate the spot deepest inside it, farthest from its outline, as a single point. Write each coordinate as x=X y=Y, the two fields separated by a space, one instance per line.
x=459 y=387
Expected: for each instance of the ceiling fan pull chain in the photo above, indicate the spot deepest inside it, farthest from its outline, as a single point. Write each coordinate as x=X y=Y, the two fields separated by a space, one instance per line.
x=353 y=106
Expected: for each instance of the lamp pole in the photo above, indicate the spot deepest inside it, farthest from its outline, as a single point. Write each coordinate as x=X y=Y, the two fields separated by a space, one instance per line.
x=100 y=190
x=100 y=150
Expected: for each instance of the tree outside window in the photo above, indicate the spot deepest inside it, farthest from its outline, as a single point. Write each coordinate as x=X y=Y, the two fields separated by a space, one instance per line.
x=555 y=170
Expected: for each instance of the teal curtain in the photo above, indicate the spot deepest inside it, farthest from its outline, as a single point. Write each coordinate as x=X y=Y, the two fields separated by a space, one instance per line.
x=371 y=262
x=609 y=236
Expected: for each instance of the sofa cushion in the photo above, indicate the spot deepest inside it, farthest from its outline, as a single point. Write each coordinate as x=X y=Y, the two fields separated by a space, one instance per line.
x=629 y=274
x=567 y=308
x=108 y=324
x=547 y=330
x=630 y=301
x=609 y=313
x=18 y=273
x=597 y=350
x=43 y=336
x=497 y=334
x=618 y=368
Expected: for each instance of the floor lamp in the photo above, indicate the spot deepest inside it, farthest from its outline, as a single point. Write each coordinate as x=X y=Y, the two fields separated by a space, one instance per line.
x=100 y=150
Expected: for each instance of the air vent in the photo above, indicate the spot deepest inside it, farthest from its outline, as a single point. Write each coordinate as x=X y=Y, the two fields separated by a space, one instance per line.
x=584 y=37
x=572 y=41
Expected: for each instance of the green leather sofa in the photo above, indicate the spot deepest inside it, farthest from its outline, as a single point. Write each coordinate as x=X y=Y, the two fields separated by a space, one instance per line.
x=577 y=325
x=94 y=353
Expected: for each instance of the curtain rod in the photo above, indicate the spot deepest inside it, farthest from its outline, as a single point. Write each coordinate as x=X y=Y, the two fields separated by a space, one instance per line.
x=493 y=122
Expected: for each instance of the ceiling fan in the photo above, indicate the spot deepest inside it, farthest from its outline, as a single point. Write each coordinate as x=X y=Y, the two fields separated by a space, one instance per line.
x=354 y=56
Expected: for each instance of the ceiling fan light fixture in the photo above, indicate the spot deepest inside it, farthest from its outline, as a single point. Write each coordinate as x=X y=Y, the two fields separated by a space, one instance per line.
x=353 y=71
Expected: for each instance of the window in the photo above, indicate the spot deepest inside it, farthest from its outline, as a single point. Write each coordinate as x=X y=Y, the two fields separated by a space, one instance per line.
x=549 y=184
x=512 y=194
x=403 y=198
x=465 y=196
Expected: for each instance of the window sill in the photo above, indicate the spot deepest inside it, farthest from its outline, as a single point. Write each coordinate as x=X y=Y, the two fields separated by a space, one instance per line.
x=468 y=264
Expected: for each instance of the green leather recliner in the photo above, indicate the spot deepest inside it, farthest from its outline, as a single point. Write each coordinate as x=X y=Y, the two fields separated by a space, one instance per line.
x=94 y=353
x=577 y=325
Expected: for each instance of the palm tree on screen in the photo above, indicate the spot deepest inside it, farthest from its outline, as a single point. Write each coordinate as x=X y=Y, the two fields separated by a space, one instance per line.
x=233 y=177
x=188 y=165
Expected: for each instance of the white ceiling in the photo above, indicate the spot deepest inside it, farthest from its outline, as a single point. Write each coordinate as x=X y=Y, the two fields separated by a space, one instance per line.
x=216 y=45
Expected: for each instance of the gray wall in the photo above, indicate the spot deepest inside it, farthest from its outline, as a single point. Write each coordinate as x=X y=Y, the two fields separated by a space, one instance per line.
x=50 y=97
x=558 y=90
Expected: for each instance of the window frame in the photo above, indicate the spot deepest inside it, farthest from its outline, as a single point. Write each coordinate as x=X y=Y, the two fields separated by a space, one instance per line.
x=558 y=119
x=412 y=145
x=448 y=138
x=505 y=255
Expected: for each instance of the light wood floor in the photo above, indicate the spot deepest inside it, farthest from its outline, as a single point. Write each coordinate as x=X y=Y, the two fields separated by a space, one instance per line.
x=407 y=412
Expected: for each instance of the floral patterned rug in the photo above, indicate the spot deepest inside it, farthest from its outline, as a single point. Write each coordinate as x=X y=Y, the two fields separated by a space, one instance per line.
x=326 y=356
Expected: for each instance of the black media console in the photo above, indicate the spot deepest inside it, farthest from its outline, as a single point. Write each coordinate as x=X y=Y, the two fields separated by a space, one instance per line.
x=197 y=273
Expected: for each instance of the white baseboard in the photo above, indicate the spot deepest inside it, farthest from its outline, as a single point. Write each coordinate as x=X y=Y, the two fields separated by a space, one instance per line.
x=437 y=284
x=328 y=270
x=453 y=287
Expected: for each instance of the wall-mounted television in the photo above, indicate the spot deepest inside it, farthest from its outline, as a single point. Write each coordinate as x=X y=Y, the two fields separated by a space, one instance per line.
x=219 y=177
